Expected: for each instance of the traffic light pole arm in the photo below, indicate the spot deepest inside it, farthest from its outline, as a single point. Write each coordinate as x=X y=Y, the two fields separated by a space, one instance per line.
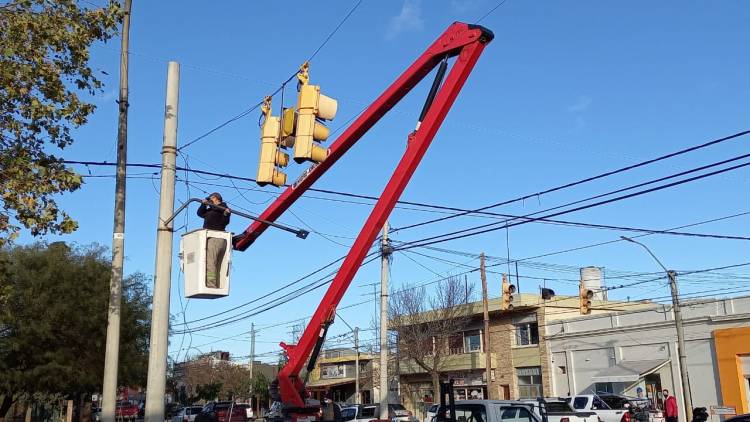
x=462 y=40
x=455 y=41
x=302 y=234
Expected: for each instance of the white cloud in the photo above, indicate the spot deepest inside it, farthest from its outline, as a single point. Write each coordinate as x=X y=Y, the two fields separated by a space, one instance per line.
x=582 y=103
x=462 y=6
x=107 y=96
x=409 y=19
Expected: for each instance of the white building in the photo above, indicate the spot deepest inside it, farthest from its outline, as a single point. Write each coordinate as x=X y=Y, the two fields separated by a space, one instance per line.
x=623 y=351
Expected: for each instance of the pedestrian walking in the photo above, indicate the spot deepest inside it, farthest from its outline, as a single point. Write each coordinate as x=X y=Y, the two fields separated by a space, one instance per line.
x=215 y=215
x=670 y=406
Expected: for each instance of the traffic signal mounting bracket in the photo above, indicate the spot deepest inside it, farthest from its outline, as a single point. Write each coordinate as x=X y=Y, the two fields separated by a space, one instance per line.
x=462 y=41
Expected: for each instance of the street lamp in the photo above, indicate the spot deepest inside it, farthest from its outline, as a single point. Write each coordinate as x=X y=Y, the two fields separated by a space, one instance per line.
x=681 y=352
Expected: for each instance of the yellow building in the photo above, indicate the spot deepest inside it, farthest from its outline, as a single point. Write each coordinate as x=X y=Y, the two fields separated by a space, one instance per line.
x=733 y=362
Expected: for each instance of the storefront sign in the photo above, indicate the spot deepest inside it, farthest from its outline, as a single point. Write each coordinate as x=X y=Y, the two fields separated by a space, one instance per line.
x=723 y=410
x=533 y=370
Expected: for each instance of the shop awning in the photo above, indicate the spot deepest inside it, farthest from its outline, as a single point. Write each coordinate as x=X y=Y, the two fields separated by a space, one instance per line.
x=329 y=382
x=629 y=371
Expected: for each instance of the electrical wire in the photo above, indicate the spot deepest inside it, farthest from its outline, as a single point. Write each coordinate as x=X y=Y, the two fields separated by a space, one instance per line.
x=490 y=11
x=590 y=178
x=460 y=212
x=460 y=234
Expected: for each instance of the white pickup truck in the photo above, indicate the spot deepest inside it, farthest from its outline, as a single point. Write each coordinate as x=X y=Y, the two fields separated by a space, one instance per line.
x=559 y=410
x=593 y=403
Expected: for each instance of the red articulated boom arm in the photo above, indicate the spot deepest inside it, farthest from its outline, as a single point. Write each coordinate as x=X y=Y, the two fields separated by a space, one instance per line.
x=461 y=40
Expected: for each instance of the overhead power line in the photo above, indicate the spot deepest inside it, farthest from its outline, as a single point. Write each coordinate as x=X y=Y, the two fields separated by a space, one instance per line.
x=486 y=228
x=586 y=179
x=279 y=89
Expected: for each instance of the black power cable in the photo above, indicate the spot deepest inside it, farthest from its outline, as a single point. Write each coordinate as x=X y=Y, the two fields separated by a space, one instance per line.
x=487 y=227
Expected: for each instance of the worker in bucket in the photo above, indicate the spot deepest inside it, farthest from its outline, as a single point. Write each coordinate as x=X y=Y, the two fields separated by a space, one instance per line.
x=215 y=215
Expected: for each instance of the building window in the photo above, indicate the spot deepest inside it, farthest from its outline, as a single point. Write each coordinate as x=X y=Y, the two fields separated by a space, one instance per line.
x=604 y=387
x=529 y=382
x=527 y=334
x=456 y=344
x=333 y=371
x=472 y=341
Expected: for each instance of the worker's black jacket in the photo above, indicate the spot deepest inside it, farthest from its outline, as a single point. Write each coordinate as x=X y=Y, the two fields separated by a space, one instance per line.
x=213 y=218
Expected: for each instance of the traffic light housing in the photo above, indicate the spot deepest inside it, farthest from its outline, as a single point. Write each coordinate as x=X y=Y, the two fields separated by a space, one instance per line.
x=312 y=108
x=584 y=297
x=506 y=303
x=272 y=158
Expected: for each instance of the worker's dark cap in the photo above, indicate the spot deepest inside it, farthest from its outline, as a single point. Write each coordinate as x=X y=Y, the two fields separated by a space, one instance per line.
x=217 y=195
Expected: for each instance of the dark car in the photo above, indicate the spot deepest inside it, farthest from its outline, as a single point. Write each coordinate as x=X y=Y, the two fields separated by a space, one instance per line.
x=220 y=412
x=739 y=418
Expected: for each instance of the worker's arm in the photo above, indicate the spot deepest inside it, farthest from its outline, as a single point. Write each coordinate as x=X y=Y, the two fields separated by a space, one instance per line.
x=202 y=210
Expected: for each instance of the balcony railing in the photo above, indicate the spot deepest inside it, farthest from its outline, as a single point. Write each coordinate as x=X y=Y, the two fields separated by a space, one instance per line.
x=451 y=362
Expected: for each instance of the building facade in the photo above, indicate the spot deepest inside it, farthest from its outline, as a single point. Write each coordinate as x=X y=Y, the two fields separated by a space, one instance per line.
x=519 y=354
x=636 y=350
x=335 y=373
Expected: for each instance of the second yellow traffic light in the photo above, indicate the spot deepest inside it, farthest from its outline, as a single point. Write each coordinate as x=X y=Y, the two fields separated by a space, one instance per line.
x=584 y=296
x=312 y=107
x=506 y=303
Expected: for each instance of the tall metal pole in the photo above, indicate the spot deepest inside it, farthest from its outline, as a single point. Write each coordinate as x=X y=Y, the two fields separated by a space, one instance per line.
x=356 y=366
x=687 y=396
x=385 y=255
x=486 y=310
x=681 y=351
x=157 y=356
x=112 y=348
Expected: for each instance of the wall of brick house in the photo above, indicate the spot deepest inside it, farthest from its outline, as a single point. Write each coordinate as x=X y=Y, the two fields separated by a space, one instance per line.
x=544 y=354
x=501 y=341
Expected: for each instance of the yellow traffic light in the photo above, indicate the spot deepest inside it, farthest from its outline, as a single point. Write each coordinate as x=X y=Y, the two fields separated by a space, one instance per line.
x=271 y=156
x=312 y=106
x=584 y=296
x=506 y=303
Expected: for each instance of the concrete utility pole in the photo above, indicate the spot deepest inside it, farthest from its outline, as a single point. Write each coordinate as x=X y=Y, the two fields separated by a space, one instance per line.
x=157 y=355
x=486 y=306
x=253 y=400
x=112 y=348
x=385 y=255
x=252 y=348
x=357 y=400
x=681 y=351
x=686 y=393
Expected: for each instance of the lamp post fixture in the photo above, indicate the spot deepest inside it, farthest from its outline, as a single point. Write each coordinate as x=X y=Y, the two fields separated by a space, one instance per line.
x=681 y=352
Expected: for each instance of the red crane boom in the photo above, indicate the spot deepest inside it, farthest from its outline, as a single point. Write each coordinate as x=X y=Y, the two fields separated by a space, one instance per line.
x=463 y=41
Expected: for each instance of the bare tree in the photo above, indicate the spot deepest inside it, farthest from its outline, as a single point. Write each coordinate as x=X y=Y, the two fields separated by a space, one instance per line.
x=424 y=324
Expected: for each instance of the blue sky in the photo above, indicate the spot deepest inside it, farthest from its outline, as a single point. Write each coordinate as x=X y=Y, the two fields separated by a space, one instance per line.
x=566 y=90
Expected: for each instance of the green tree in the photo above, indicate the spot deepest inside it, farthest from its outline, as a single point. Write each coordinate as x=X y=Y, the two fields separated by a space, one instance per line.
x=44 y=66
x=260 y=384
x=53 y=319
x=208 y=392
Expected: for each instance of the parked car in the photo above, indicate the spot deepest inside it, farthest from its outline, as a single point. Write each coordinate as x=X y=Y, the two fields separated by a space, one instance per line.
x=431 y=412
x=369 y=412
x=739 y=418
x=187 y=414
x=126 y=410
x=594 y=403
x=220 y=412
x=495 y=411
x=558 y=410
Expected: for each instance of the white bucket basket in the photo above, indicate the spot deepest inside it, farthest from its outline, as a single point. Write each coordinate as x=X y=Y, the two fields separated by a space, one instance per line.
x=193 y=255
